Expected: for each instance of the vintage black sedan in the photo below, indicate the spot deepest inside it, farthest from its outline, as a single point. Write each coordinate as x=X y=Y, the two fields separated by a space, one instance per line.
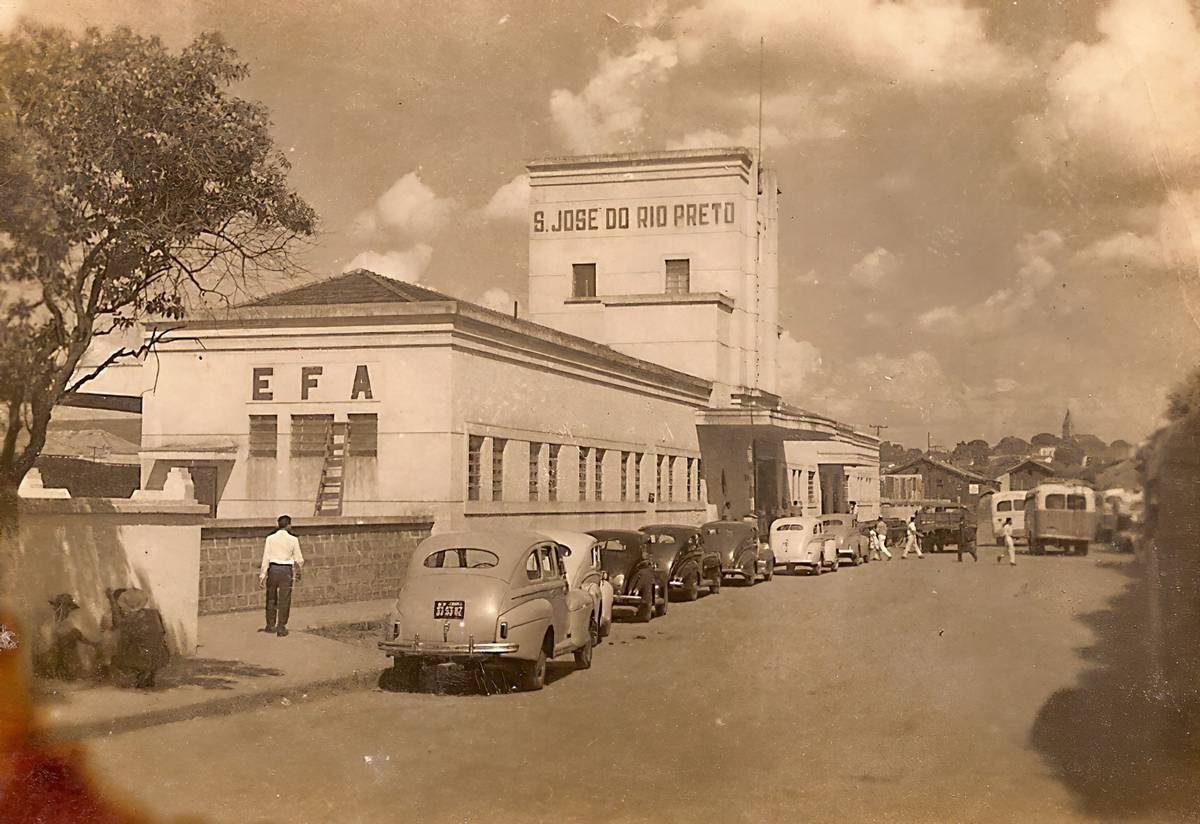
x=637 y=581
x=680 y=552
x=743 y=558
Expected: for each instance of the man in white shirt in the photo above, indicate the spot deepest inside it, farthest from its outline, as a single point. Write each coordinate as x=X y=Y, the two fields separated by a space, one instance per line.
x=913 y=541
x=281 y=563
x=1009 y=545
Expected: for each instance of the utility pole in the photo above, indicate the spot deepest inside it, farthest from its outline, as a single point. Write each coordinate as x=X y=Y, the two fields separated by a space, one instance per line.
x=878 y=427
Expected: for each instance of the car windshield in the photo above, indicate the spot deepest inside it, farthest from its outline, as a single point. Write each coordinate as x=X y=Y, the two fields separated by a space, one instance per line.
x=790 y=528
x=462 y=558
x=1056 y=502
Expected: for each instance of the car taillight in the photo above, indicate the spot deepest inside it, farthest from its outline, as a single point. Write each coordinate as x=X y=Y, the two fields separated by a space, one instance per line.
x=503 y=630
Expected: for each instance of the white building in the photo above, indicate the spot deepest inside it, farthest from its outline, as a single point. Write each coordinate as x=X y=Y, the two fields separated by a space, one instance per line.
x=640 y=389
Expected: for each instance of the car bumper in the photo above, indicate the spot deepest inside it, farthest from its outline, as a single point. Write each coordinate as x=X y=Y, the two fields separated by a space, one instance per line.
x=627 y=600
x=735 y=572
x=448 y=652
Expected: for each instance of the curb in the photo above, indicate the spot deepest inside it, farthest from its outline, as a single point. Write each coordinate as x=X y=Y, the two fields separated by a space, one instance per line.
x=205 y=709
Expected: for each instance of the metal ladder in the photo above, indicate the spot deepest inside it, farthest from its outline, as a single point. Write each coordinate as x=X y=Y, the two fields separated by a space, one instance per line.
x=333 y=471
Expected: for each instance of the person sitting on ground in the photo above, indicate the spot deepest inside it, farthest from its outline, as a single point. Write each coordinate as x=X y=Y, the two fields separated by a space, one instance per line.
x=142 y=641
x=66 y=642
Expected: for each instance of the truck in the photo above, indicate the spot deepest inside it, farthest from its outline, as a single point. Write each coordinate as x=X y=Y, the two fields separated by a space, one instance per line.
x=945 y=525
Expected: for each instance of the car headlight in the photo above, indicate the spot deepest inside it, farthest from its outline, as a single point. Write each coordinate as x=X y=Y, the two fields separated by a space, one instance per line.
x=618 y=582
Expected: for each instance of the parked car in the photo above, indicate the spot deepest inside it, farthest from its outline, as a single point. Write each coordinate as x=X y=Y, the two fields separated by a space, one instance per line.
x=743 y=558
x=842 y=528
x=1063 y=516
x=581 y=557
x=690 y=566
x=800 y=543
x=493 y=599
x=637 y=582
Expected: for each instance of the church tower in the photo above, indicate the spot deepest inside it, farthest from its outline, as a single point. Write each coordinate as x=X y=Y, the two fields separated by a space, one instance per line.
x=1068 y=430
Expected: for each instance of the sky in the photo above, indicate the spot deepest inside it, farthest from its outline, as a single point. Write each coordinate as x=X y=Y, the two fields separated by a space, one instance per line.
x=989 y=210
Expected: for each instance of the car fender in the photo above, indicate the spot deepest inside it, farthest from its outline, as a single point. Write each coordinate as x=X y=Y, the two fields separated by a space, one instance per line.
x=527 y=625
x=685 y=566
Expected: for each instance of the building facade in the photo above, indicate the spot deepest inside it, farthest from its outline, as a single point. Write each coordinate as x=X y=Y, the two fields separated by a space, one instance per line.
x=946 y=482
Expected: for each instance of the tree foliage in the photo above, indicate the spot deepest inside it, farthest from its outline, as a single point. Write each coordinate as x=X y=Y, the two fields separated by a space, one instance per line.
x=134 y=186
x=1184 y=400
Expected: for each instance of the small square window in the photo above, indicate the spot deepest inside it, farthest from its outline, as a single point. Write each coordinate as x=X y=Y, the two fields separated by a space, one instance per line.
x=364 y=436
x=679 y=276
x=583 y=280
x=264 y=436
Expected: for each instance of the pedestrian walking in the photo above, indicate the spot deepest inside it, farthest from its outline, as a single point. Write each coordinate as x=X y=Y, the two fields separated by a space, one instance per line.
x=1009 y=546
x=879 y=549
x=282 y=563
x=913 y=541
x=967 y=546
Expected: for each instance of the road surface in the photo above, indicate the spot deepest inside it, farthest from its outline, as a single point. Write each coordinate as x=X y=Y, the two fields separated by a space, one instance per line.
x=915 y=690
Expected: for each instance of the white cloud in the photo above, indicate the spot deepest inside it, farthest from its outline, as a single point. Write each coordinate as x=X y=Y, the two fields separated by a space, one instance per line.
x=1125 y=249
x=409 y=206
x=799 y=362
x=1124 y=105
x=608 y=112
x=874 y=268
x=407 y=265
x=511 y=201
x=1003 y=385
x=499 y=299
x=925 y=44
x=1004 y=308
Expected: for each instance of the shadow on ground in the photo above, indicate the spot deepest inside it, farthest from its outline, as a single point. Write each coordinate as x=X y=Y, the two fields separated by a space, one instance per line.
x=210 y=673
x=1118 y=740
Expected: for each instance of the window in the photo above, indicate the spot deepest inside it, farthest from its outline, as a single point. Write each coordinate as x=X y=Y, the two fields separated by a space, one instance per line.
x=670 y=477
x=535 y=459
x=363 y=436
x=1056 y=502
x=625 y=476
x=310 y=434
x=689 y=478
x=583 y=283
x=659 y=462
x=1077 y=502
x=462 y=558
x=679 y=275
x=637 y=476
x=598 y=479
x=264 y=436
x=533 y=567
x=549 y=564
x=474 y=466
x=552 y=473
x=498 y=445
x=583 y=463
x=812 y=488
x=1004 y=506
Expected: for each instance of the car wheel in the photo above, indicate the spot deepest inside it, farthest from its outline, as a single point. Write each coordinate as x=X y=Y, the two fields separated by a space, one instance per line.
x=837 y=562
x=583 y=655
x=715 y=586
x=660 y=609
x=1083 y=548
x=691 y=586
x=401 y=676
x=533 y=673
x=770 y=569
x=750 y=570
x=646 y=608
x=817 y=568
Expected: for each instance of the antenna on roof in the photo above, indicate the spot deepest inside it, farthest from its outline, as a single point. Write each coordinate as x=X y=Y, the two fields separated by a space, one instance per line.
x=761 y=47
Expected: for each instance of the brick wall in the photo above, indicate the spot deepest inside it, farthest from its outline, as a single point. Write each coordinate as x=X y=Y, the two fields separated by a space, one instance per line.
x=346 y=559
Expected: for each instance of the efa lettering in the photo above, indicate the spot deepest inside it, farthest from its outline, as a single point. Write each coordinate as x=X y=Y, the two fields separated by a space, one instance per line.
x=635 y=217
x=261 y=388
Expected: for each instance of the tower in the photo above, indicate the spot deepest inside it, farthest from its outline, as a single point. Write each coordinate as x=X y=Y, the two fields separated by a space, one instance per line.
x=1068 y=430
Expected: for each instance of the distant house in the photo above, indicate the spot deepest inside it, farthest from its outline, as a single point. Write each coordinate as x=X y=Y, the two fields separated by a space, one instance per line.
x=1046 y=452
x=902 y=487
x=1024 y=475
x=90 y=463
x=943 y=481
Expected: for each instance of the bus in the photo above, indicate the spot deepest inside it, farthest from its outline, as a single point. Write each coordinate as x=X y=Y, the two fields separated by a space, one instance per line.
x=1062 y=516
x=1009 y=505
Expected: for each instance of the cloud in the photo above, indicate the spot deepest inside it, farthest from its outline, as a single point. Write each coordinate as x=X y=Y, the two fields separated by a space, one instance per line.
x=499 y=299
x=175 y=22
x=1004 y=308
x=924 y=44
x=407 y=265
x=1124 y=249
x=906 y=391
x=1124 y=106
x=410 y=207
x=510 y=201
x=608 y=111
x=1003 y=385
x=799 y=362
x=874 y=268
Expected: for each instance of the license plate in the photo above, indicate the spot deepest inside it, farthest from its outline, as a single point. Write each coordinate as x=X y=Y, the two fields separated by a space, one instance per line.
x=449 y=609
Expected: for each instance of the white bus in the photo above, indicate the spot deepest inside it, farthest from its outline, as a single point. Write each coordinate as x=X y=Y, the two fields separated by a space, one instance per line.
x=1009 y=505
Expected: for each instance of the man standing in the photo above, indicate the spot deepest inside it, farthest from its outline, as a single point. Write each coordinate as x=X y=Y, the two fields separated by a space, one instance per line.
x=879 y=549
x=1008 y=544
x=913 y=541
x=281 y=562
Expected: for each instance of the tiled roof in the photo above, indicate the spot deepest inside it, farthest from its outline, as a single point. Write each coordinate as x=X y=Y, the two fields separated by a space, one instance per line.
x=1013 y=467
x=359 y=286
x=957 y=470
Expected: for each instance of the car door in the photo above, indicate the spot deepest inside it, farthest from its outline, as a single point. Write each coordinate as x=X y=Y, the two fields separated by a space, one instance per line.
x=556 y=588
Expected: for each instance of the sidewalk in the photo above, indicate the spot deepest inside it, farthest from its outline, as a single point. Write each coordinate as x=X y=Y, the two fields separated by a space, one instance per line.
x=236 y=667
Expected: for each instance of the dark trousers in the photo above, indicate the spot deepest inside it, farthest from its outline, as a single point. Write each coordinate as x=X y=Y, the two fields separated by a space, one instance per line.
x=279 y=594
x=968 y=548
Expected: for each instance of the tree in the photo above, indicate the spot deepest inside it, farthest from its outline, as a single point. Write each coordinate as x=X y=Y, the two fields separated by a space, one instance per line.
x=1184 y=400
x=1045 y=439
x=135 y=187
x=971 y=453
x=1012 y=445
